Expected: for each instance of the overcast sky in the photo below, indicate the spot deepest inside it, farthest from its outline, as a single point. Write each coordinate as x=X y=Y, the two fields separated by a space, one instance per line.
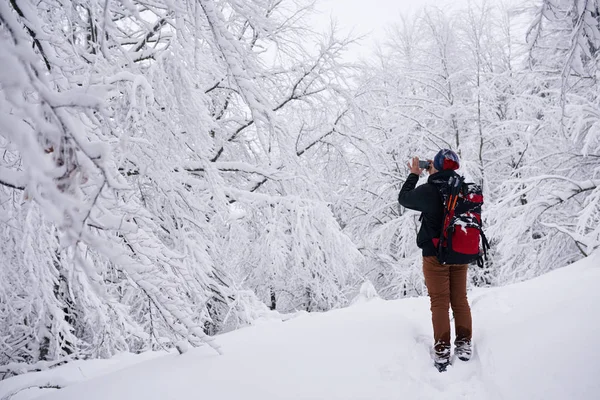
x=372 y=17
x=369 y=16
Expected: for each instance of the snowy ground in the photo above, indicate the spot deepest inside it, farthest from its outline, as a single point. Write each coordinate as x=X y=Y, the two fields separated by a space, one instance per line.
x=534 y=340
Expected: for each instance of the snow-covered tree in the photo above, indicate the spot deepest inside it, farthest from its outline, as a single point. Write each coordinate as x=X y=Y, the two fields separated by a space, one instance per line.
x=146 y=147
x=551 y=203
x=522 y=125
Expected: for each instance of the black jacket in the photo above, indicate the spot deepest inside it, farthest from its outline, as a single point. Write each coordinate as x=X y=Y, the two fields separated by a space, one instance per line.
x=427 y=199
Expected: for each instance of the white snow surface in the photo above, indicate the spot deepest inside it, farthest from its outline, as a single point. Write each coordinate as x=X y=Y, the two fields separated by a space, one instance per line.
x=533 y=340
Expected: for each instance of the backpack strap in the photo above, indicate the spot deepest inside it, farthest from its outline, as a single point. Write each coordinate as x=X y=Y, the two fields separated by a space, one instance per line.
x=486 y=246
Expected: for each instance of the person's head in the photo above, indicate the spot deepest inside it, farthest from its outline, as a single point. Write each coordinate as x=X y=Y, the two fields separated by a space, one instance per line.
x=445 y=159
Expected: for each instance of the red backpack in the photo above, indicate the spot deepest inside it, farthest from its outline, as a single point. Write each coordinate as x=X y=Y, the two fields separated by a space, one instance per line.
x=459 y=242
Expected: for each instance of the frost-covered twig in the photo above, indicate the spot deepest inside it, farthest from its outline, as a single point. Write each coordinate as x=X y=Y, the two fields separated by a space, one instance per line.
x=14 y=392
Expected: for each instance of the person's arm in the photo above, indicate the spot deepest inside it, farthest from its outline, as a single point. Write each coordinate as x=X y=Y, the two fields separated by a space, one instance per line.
x=411 y=197
x=418 y=199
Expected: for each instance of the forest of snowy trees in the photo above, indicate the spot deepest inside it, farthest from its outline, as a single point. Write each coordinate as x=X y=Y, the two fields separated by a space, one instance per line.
x=175 y=169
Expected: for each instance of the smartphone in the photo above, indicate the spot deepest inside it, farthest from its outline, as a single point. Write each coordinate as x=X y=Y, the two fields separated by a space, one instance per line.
x=424 y=164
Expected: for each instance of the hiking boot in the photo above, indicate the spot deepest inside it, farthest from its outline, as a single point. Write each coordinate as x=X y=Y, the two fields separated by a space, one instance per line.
x=442 y=366
x=441 y=356
x=463 y=350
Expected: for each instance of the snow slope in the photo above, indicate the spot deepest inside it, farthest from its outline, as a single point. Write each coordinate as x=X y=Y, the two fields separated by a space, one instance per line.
x=534 y=340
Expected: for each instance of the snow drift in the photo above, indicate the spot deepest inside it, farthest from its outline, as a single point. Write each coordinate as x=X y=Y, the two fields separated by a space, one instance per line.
x=533 y=340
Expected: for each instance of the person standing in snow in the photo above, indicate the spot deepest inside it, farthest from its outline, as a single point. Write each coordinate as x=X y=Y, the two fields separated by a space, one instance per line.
x=446 y=284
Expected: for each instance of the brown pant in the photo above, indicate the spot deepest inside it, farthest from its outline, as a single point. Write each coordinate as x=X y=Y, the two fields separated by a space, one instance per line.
x=447 y=285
